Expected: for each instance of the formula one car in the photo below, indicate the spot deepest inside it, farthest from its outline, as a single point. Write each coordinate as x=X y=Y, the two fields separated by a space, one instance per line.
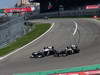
x=69 y=50
x=47 y=51
x=72 y=49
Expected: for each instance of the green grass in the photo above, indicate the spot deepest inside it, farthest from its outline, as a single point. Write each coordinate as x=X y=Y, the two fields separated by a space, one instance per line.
x=98 y=19
x=36 y=32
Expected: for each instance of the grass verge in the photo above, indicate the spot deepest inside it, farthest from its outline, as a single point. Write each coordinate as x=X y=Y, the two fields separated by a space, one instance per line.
x=98 y=19
x=36 y=32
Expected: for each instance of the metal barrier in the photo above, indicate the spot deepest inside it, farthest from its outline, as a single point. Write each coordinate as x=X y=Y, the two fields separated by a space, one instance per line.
x=68 y=13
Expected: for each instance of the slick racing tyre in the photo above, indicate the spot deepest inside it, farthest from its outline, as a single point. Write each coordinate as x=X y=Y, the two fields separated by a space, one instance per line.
x=77 y=51
x=66 y=54
x=70 y=52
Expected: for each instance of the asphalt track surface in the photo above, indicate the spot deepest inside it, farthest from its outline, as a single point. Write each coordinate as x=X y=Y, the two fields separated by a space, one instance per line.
x=59 y=34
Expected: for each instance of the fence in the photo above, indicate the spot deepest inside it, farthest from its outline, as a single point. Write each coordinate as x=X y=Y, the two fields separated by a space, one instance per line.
x=68 y=13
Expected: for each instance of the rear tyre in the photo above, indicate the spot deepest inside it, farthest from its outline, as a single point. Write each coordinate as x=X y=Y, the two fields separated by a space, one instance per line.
x=77 y=51
x=66 y=54
x=70 y=52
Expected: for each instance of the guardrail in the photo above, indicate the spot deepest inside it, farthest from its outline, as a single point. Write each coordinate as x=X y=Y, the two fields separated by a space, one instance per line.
x=68 y=13
x=75 y=69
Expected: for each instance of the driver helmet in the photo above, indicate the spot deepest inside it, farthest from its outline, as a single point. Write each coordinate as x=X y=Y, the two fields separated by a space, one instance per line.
x=44 y=47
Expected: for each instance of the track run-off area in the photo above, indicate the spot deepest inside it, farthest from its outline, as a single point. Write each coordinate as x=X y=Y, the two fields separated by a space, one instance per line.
x=59 y=36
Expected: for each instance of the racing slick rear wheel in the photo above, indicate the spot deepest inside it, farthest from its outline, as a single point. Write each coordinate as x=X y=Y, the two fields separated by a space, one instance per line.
x=76 y=51
x=70 y=52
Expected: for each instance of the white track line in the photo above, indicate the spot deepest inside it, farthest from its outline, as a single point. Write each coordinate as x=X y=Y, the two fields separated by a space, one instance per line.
x=1 y=58
x=76 y=28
